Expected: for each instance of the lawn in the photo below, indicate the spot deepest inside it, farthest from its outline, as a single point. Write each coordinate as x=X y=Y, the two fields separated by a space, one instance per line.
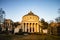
x=28 y=37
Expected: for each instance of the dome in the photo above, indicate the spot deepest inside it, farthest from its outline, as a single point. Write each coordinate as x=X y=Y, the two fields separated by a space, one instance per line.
x=30 y=14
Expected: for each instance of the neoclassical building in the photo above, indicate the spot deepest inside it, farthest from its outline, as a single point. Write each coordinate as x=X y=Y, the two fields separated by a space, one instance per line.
x=30 y=23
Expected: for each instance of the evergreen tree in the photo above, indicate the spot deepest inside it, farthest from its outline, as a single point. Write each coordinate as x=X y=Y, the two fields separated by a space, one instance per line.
x=45 y=24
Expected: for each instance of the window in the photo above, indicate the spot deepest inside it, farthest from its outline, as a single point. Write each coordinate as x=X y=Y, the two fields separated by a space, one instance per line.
x=30 y=17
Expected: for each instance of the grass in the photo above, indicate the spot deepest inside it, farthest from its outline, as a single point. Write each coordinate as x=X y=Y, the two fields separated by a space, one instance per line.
x=28 y=37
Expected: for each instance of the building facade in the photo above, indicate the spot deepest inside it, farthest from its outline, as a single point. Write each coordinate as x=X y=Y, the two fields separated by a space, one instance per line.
x=7 y=24
x=30 y=23
x=54 y=28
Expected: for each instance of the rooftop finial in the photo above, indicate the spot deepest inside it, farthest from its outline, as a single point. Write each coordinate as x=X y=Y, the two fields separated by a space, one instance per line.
x=30 y=11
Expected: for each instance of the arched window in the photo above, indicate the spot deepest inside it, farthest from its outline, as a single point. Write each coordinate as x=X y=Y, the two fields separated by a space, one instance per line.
x=30 y=17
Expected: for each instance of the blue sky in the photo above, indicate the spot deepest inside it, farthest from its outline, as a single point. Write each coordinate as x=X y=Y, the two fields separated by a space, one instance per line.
x=16 y=9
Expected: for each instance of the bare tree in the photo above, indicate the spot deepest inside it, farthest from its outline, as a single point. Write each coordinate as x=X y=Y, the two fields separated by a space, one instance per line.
x=58 y=18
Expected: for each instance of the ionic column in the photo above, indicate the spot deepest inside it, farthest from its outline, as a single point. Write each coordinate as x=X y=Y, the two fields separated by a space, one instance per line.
x=40 y=29
x=37 y=28
x=28 y=27
x=25 y=27
x=34 y=27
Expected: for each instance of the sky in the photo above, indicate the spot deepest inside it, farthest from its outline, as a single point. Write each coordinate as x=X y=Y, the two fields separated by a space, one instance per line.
x=16 y=9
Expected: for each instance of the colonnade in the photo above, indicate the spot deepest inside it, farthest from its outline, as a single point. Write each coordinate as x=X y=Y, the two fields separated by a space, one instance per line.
x=30 y=27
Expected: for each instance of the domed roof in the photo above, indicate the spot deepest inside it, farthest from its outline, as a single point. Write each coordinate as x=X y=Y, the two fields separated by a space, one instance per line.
x=30 y=13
